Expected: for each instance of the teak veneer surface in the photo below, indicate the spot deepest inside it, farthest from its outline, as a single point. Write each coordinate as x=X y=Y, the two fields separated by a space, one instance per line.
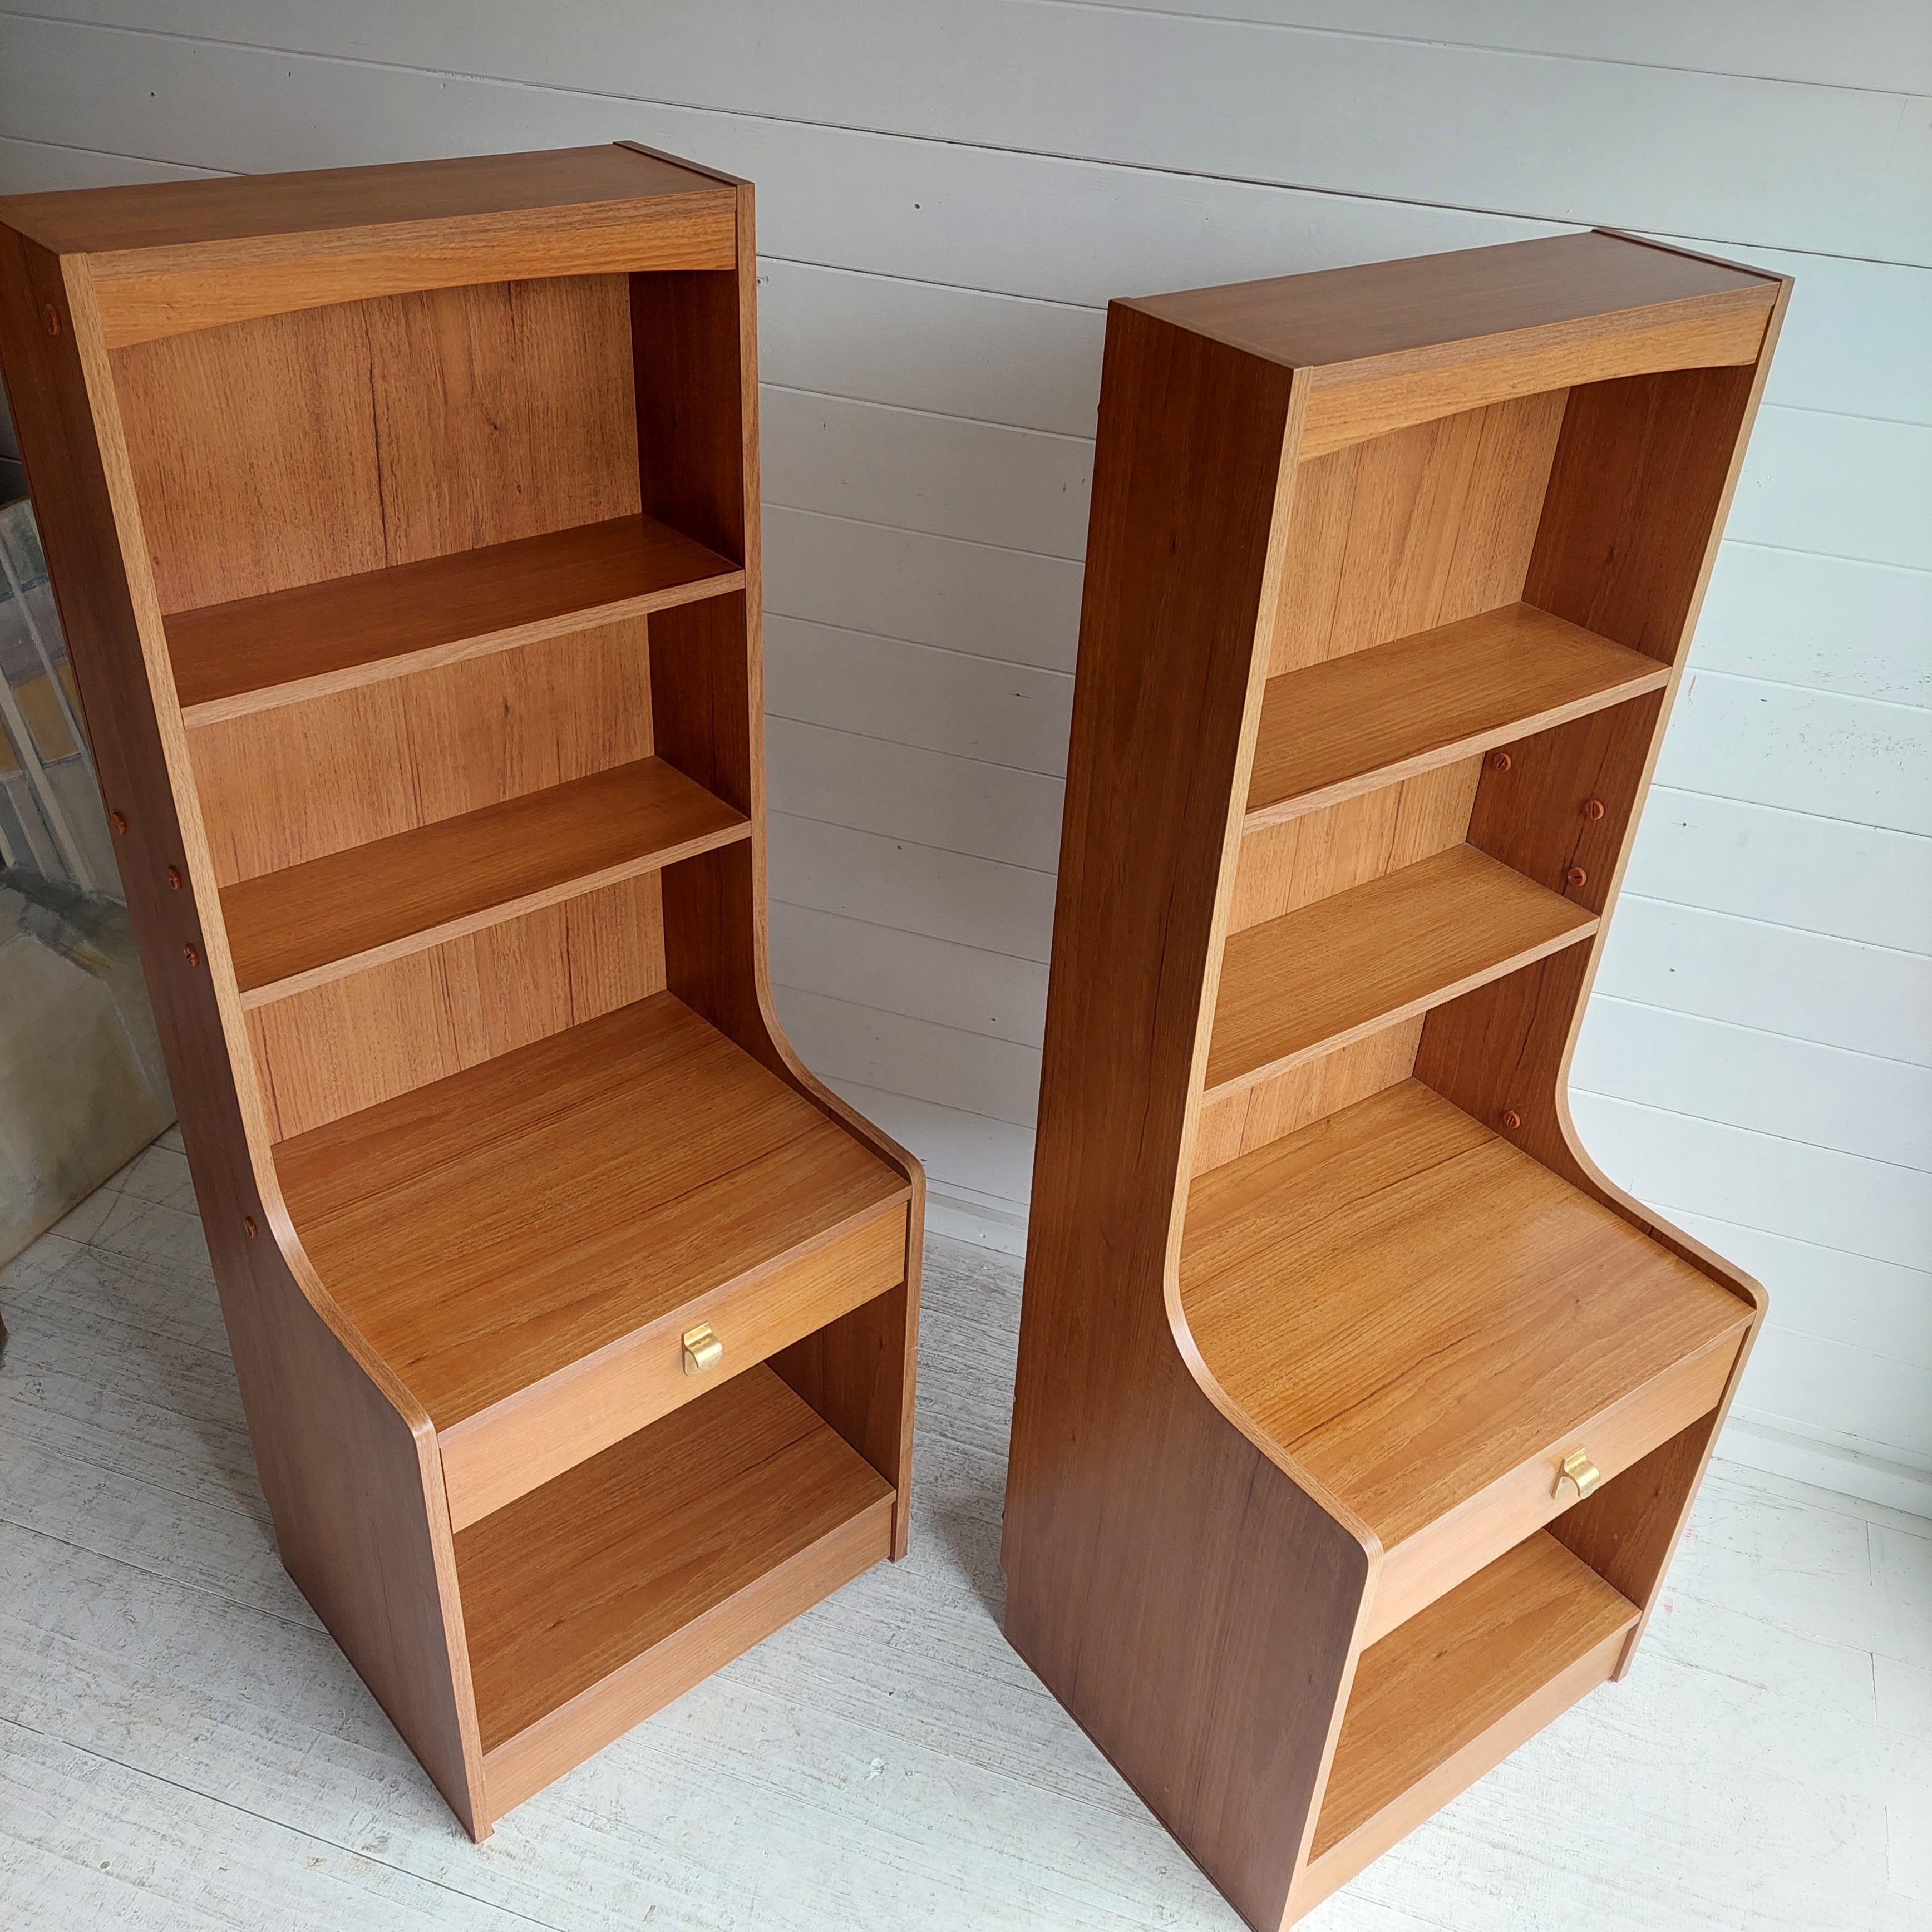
x=233 y=659
x=493 y=1227
x=1326 y=973
x=565 y=1585
x=292 y=929
x=1434 y=1688
x=1376 y=716
x=1411 y=1307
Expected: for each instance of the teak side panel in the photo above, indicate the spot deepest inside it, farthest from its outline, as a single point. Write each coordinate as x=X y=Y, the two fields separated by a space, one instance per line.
x=1543 y=426
x=349 y=1478
x=1187 y=1601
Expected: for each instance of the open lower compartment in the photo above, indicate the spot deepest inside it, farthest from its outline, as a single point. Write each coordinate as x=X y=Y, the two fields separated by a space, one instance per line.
x=527 y=1242
x=594 y=1600
x=1449 y=1695
x=1427 y=1319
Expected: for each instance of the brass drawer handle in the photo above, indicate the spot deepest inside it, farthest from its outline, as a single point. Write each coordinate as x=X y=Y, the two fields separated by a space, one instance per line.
x=702 y=1350
x=1577 y=1470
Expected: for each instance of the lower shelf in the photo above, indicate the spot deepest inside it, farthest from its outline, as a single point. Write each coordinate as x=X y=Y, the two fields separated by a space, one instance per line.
x=597 y=1599
x=1451 y=1693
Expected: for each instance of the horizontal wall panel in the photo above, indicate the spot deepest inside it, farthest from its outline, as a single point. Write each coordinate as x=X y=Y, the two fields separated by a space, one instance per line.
x=957 y=804
x=973 y=707
x=843 y=1041
x=1836 y=168
x=1822 y=1291
x=1878 y=43
x=998 y=358
x=1678 y=1164
x=1817 y=875
x=1803 y=984
x=1813 y=751
x=1009 y=604
x=1853 y=1103
x=893 y=882
x=989 y=1158
x=964 y=987
x=1845 y=486
x=990 y=485
x=1861 y=630
x=36 y=167
x=1876 y=1401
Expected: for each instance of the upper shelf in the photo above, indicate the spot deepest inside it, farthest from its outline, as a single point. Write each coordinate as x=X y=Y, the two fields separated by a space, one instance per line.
x=1413 y=1308
x=1346 y=966
x=233 y=659
x=1374 y=717
x=495 y=1228
x=352 y=909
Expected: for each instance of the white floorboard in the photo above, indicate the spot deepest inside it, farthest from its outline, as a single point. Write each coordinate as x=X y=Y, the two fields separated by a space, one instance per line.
x=181 y=1745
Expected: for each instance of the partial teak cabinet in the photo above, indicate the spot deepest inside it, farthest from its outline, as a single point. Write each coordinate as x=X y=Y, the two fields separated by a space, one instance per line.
x=405 y=525
x=1357 y=1412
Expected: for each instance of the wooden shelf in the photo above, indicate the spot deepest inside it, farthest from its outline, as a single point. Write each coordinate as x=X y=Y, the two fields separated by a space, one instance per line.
x=1346 y=966
x=523 y=1243
x=1373 y=717
x=1453 y=1692
x=352 y=909
x=596 y=1600
x=230 y=659
x=1419 y=1313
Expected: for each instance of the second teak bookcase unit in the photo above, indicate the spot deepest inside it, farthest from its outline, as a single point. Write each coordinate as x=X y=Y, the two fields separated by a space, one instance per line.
x=404 y=524
x=1357 y=1413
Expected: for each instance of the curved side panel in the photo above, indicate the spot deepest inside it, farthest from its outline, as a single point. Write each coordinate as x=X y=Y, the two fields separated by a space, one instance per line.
x=1192 y=1604
x=694 y=338
x=351 y=1479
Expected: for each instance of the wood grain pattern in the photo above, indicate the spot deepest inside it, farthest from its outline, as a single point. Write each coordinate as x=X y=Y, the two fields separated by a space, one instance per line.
x=403 y=752
x=231 y=659
x=291 y=930
x=603 y=1564
x=1412 y=1308
x=1329 y=973
x=498 y=1454
x=1378 y=716
x=354 y=1042
x=1188 y=1601
x=1413 y=530
x=1284 y=866
x=193 y=255
x=340 y=438
x=348 y=1473
x=1452 y=1693
x=494 y=1228
x=307 y=447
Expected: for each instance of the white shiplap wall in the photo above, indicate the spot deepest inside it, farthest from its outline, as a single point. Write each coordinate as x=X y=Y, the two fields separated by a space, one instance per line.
x=950 y=190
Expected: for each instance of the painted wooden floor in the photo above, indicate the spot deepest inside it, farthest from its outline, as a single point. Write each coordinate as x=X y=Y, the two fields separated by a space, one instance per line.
x=180 y=1746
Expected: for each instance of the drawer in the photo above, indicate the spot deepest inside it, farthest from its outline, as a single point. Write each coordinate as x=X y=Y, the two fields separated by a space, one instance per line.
x=492 y=1457
x=1452 y=1548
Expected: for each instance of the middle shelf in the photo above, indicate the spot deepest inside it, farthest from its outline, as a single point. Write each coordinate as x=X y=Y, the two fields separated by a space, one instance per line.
x=525 y=1243
x=1331 y=971
x=1426 y=1318
x=349 y=910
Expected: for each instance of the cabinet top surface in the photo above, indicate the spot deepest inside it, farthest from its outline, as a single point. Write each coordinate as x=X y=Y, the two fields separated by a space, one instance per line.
x=1426 y=301
x=239 y=207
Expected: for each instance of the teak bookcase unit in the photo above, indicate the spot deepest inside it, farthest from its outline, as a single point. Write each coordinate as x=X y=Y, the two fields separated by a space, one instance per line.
x=404 y=523
x=1357 y=1413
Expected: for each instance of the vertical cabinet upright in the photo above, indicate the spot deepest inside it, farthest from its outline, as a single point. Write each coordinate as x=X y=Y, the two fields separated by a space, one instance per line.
x=404 y=522
x=1357 y=1413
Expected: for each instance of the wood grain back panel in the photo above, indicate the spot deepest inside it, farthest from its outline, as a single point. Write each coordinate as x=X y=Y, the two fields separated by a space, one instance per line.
x=1408 y=531
x=1293 y=864
x=385 y=758
x=296 y=447
x=352 y=1042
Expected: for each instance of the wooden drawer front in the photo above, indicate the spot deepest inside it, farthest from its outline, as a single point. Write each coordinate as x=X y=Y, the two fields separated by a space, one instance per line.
x=493 y=1457
x=1436 y=1559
